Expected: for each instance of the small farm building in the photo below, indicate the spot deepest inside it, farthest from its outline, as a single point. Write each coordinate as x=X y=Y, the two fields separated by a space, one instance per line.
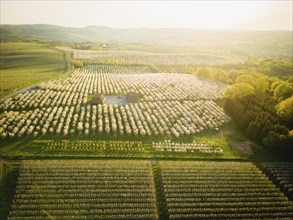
x=98 y=98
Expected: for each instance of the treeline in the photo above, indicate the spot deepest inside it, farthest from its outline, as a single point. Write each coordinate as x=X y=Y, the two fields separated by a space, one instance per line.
x=81 y=63
x=257 y=117
x=282 y=68
x=262 y=106
x=87 y=46
x=210 y=73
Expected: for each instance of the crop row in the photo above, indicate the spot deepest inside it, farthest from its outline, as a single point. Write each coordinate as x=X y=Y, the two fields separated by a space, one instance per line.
x=43 y=185
x=125 y=190
x=144 y=118
x=102 y=145
x=91 y=145
x=119 y=69
x=194 y=147
x=220 y=190
x=87 y=81
x=146 y=58
x=171 y=104
x=282 y=174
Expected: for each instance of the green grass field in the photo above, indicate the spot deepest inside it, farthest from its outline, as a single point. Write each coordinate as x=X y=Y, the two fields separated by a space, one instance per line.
x=26 y=64
x=54 y=146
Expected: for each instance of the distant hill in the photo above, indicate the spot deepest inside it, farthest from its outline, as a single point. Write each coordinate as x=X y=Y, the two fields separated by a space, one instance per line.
x=262 y=42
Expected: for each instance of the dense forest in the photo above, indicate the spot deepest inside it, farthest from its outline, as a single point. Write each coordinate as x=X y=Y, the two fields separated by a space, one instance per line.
x=262 y=104
x=259 y=99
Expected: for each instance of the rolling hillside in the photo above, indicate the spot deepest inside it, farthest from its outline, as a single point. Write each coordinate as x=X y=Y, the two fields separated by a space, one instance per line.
x=251 y=43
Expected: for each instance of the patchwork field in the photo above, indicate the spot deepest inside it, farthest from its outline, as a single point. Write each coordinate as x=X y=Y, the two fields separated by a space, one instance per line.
x=137 y=189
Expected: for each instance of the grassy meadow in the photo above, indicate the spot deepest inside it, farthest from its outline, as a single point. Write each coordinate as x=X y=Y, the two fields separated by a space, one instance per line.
x=25 y=64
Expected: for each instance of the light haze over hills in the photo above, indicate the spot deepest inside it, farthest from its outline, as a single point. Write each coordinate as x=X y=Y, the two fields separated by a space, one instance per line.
x=236 y=41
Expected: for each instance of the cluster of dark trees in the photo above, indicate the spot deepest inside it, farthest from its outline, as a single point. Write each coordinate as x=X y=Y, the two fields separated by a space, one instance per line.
x=262 y=104
x=281 y=67
x=213 y=73
x=257 y=117
x=76 y=63
x=86 y=46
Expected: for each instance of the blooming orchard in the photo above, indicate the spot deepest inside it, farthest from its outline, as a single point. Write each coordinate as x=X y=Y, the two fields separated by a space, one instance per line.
x=170 y=104
x=147 y=58
x=194 y=147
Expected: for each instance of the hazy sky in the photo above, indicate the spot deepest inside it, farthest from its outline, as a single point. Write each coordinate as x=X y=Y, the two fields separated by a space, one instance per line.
x=251 y=15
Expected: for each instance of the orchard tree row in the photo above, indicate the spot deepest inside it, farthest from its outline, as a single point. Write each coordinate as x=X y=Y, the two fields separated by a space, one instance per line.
x=146 y=58
x=170 y=118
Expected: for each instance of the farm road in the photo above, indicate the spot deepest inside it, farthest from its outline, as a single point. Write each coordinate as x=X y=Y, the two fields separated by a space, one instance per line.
x=67 y=63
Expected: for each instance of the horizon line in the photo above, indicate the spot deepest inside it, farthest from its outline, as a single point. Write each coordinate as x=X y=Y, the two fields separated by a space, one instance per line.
x=186 y=28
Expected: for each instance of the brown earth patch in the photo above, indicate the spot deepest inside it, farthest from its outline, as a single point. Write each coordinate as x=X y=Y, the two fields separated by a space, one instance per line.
x=242 y=146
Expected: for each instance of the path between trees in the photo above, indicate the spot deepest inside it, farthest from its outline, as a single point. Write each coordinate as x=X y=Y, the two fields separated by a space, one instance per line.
x=67 y=63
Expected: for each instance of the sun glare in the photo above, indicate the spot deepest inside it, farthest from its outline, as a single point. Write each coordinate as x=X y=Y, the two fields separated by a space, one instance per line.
x=209 y=14
x=152 y=14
